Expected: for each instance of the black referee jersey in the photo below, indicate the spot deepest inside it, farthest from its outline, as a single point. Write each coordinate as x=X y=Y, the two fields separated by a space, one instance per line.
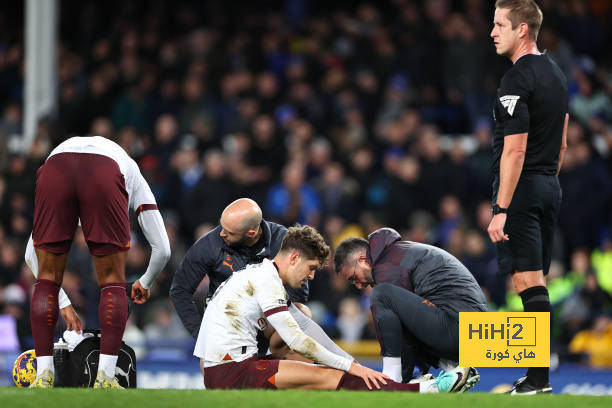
x=532 y=98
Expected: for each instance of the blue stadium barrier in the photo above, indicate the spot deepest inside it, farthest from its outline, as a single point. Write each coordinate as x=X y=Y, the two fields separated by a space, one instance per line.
x=155 y=371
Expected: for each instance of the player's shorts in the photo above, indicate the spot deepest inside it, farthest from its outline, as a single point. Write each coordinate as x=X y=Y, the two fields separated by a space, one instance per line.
x=89 y=186
x=530 y=224
x=250 y=373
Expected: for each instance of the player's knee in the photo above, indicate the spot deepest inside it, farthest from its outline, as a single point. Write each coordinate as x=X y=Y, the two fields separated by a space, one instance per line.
x=331 y=378
x=380 y=294
x=51 y=266
x=110 y=268
x=278 y=348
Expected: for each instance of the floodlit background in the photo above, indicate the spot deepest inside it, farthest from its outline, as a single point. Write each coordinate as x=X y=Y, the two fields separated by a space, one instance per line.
x=345 y=115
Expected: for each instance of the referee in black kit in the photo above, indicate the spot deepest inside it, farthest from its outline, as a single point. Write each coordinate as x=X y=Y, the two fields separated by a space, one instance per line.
x=530 y=139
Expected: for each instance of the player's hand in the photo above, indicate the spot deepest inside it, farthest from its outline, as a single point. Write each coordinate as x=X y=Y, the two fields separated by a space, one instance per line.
x=368 y=375
x=496 y=228
x=139 y=294
x=70 y=316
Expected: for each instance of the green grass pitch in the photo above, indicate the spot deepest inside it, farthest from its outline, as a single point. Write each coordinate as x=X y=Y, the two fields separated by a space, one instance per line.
x=145 y=398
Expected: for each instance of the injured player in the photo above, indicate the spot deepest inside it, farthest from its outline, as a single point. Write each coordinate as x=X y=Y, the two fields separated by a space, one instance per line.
x=253 y=299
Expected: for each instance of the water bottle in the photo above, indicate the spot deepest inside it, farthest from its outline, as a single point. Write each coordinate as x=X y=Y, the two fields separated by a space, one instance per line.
x=61 y=363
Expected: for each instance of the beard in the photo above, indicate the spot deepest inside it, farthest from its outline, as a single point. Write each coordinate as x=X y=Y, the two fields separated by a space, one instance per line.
x=243 y=241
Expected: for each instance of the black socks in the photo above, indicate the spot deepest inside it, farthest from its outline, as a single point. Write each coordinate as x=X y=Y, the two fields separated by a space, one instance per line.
x=535 y=299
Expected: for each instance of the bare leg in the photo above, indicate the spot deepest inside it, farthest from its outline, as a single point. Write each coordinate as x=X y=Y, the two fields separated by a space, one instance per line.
x=51 y=266
x=304 y=376
x=110 y=268
x=527 y=279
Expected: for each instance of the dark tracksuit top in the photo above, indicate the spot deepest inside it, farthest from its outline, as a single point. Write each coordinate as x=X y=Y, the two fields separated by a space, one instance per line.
x=425 y=270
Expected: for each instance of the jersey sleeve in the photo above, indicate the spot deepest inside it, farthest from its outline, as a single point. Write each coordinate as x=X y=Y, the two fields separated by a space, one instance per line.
x=142 y=198
x=152 y=226
x=269 y=293
x=288 y=329
x=512 y=101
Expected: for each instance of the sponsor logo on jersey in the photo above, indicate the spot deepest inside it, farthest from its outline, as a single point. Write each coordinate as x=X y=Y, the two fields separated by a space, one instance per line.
x=229 y=262
x=509 y=102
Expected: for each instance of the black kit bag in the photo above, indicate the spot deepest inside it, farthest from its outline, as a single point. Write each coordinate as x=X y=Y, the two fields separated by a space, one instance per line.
x=84 y=363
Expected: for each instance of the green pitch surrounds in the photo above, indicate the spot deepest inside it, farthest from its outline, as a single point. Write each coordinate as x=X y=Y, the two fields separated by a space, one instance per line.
x=64 y=397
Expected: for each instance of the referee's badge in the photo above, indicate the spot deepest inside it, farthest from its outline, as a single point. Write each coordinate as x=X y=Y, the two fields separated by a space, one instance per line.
x=509 y=102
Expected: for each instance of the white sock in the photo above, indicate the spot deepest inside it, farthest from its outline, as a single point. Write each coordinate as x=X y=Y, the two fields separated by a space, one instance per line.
x=108 y=364
x=44 y=363
x=392 y=366
x=427 y=387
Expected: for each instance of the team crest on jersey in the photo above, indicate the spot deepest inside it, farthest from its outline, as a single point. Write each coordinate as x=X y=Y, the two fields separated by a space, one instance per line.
x=509 y=102
x=262 y=323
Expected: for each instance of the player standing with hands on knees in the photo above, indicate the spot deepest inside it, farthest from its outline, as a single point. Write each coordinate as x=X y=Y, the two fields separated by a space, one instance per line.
x=94 y=180
x=531 y=116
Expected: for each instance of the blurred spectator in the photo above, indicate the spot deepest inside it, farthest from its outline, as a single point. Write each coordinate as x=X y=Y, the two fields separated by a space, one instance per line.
x=596 y=343
x=407 y=189
x=10 y=261
x=10 y=122
x=164 y=324
x=587 y=188
x=13 y=318
x=589 y=101
x=351 y=320
x=438 y=174
x=451 y=218
x=337 y=193
x=602 y=263
x=213 y=191
x=293 y=200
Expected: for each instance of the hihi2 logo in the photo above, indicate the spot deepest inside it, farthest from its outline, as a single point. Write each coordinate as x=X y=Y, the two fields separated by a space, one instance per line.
x=504 y=339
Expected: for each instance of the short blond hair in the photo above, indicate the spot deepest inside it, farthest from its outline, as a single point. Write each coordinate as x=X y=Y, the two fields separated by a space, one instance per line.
x=523 y=11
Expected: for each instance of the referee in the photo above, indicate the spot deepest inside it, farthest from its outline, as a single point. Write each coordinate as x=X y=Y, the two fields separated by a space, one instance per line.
x=531 y=117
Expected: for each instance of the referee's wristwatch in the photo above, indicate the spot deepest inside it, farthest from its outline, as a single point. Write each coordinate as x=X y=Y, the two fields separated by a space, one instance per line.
x=499 y=210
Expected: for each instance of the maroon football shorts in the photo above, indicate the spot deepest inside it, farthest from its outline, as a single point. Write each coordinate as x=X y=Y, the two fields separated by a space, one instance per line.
x=250 y=373
x=89 y=186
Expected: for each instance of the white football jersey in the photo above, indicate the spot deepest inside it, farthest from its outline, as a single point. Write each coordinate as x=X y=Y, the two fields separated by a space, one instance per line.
x=138 y=190
x=237 y=310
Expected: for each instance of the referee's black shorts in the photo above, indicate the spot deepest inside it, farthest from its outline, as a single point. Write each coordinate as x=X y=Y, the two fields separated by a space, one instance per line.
x=530 y=225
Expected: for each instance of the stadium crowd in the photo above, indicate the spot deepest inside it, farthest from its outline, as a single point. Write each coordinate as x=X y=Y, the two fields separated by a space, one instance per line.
x=349 y=118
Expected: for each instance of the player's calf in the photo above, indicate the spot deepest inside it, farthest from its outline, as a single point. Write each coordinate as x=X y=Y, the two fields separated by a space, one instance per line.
x=112 y=314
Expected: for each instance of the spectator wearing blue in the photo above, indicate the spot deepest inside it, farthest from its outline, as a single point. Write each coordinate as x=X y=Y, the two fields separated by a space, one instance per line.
x=293 y=200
